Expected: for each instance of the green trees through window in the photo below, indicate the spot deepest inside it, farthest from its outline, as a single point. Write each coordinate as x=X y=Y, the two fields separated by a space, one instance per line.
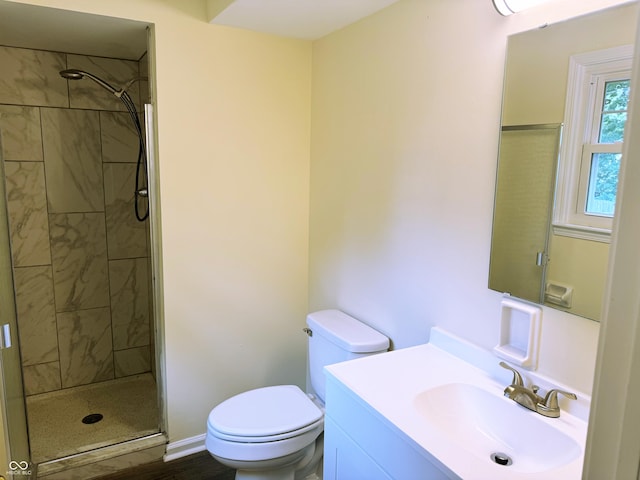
x=614 y=111
x=605 y=167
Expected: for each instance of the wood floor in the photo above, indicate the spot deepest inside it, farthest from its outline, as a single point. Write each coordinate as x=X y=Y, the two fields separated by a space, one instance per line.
x=200 y=466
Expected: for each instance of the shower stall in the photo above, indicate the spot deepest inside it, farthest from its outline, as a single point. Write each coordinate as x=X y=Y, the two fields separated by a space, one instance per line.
x=74 y=164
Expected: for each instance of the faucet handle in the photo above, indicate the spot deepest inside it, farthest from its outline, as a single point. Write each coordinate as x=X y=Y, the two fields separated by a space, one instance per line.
x=551 y=398
x=517 y=378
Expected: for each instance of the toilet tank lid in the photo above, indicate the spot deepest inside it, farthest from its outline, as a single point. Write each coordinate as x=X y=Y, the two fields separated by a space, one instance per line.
x=347 y=332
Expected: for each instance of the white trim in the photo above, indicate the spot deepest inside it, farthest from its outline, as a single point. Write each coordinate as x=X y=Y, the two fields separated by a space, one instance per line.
x=613 y=439
x=577 y=109
x=583 y=233
x=185 y=447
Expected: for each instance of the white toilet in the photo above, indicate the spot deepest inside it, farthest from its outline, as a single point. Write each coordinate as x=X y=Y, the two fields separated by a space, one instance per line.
x=275 y=433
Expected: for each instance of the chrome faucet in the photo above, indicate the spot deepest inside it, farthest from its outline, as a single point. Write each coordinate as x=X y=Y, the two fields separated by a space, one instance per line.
x=529 y=398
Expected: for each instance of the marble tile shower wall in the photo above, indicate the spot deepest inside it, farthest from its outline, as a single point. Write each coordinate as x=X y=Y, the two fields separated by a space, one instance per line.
x=80 y=256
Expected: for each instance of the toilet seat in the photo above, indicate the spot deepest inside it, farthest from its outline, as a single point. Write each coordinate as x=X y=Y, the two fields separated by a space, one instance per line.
x=265 y=415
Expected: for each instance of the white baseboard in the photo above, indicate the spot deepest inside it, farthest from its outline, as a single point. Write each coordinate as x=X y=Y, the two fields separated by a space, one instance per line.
x=185 y=447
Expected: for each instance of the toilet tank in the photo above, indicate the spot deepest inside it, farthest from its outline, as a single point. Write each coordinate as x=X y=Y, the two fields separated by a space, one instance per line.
x=337 y=337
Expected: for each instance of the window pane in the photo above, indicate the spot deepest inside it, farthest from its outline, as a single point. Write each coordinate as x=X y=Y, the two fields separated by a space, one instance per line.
x=612 y=127
x=614 y=111
x=616 y=95
x=603 y=184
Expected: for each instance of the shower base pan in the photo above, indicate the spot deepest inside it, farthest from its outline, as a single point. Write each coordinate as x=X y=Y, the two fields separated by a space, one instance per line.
x=128 y=409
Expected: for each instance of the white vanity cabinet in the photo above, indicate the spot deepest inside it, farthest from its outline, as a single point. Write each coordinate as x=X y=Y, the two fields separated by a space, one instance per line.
x=345 y=459
x=359 y=444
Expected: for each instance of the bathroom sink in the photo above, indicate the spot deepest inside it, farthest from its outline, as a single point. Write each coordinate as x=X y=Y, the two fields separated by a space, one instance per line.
x=440 y=409
x=491 y=427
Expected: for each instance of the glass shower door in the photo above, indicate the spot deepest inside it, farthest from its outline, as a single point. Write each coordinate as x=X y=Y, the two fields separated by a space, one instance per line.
x=11 y=389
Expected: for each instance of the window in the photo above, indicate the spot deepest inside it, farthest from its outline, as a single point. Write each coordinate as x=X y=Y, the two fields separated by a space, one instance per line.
x=595 y=116
x=602 y=152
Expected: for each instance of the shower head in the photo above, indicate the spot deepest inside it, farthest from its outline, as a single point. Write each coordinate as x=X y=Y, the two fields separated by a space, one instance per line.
x=73 y=74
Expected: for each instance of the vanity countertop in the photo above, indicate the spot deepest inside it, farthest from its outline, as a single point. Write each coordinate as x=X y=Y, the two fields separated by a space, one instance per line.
x=390 y=383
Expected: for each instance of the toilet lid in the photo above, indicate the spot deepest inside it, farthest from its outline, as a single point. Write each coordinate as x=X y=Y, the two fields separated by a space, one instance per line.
x=265 y=412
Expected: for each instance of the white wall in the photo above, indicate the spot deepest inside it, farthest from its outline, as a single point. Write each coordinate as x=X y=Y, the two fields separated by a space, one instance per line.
x=405 y=123
x=233 y=112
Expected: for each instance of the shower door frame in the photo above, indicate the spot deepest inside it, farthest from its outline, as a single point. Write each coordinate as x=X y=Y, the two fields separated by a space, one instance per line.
x=155 y=244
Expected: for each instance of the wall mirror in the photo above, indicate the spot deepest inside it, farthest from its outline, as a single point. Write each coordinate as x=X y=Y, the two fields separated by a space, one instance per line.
x=532 y=255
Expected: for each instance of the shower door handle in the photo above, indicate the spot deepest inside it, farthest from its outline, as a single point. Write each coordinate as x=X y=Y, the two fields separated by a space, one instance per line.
x=5 y=335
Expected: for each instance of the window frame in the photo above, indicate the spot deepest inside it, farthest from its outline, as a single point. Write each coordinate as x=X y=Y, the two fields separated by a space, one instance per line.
x=574 y=167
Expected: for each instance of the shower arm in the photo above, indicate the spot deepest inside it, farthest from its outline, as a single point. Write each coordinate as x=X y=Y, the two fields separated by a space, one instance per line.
x=126 y=86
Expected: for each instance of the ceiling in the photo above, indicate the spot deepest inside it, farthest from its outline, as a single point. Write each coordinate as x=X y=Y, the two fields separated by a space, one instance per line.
x=305 y=19
x=45 y=28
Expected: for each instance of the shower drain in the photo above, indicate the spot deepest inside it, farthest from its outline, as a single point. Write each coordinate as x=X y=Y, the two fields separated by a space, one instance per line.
x=92 y=418
x=501 y=458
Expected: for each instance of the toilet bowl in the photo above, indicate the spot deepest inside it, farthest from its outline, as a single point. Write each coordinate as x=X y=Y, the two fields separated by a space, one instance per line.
x=276 y=433
x=271 y=432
